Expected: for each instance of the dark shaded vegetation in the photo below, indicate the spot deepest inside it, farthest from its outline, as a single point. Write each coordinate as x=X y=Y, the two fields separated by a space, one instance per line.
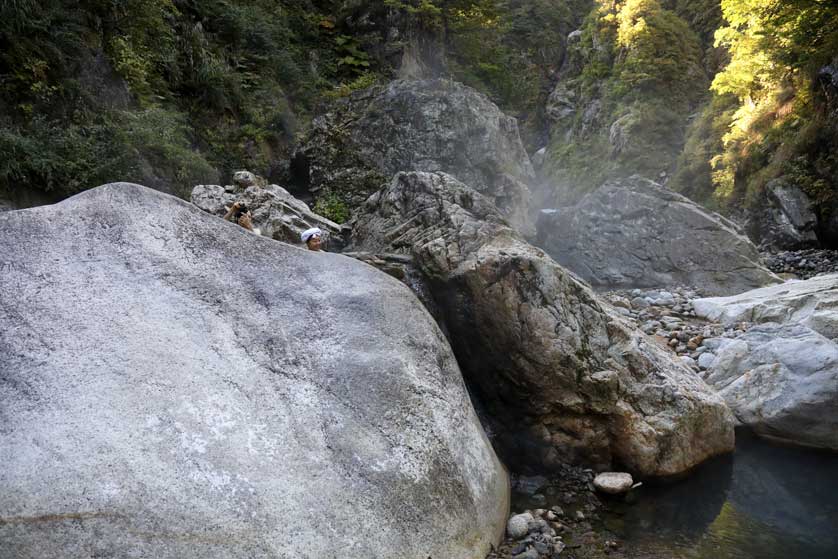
x=171 y=93
x=165 y=92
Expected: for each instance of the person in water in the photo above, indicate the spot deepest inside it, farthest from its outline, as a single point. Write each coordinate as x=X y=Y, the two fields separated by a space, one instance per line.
x=313 y=238
x=239 y=213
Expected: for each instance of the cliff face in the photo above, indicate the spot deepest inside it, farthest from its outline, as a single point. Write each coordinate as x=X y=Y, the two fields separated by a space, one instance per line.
x=173 y=93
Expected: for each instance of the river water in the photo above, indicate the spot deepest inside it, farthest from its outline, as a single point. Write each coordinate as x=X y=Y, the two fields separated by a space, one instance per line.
x=762 y=502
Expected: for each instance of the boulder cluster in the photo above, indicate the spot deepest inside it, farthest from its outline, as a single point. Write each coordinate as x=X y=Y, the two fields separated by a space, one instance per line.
x=275 y=212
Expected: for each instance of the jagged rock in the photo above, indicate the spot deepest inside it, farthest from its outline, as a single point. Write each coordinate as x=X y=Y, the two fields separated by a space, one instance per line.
x=430 y=125
x=276 y=213
x=174 y=386
x=782 y=381
x=563 y=377
x=788 y=221
x=561 y=104
x=636 y=233
x=244 y=179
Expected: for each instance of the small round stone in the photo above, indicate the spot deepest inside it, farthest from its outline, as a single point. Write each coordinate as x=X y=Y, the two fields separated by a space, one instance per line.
x=518 y=525
x=613 y=483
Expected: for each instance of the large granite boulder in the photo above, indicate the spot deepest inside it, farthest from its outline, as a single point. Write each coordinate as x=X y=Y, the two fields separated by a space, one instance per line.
x=424 y=125
x=636 y=233
x=781 y=376
x=276 y=213
x=782 y=381
x=562 y=375
x=787 y=220
x=174 y=386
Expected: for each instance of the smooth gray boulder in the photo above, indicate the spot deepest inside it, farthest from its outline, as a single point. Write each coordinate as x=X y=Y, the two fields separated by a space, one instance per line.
x=782 y=381
x=418 y=125
x=781 y=376
x=276 y=213
x=613 y=483
x=174 y=386
x=562 y=375
x=636 y=233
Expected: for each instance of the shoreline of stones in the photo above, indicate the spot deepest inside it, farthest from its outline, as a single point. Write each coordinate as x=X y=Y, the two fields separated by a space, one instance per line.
x=804 y=264
x=560 y=518
x=669 y=318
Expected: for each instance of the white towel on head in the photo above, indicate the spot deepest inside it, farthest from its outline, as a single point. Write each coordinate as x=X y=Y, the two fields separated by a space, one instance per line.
x=309 y=233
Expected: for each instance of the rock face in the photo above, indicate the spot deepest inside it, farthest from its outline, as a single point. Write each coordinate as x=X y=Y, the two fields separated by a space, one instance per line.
x=782 y=381
x=563 y=377
x=788 y=221
x=174 y=386
x=430 y=125
x=781 y=376
x=635 y=233
x=276 y=213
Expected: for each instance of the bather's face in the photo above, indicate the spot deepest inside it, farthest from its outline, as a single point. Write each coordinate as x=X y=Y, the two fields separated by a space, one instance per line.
x=314 y=243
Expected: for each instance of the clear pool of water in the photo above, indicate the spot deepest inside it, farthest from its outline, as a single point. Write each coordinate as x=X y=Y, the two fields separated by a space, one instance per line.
x=762 y=502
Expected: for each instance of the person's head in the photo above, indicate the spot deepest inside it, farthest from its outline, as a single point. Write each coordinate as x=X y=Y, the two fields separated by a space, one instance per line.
x=313 y=238
x=240 y=209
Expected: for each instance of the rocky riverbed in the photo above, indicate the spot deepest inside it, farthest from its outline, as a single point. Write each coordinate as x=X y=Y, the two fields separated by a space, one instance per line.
x=560 y=516
x=668 y=316
x=803 y=264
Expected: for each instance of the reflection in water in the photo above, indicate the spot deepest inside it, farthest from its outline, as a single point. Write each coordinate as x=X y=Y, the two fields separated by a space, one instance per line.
x=765 y=502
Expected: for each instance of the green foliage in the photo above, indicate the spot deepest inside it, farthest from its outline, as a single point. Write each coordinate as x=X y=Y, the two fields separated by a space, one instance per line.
x=775 y=48
x=64 y=158
x=641 y=72
x=694 y=174
x=332 y=206
x=213 y=83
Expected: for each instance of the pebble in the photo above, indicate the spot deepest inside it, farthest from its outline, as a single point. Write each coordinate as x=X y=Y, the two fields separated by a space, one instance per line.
x=613 y=483
x=670 y=315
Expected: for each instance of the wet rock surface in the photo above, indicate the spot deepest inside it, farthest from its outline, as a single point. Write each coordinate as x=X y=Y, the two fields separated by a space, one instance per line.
x=563 y=375
x=175 y=386
x=636 y=233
